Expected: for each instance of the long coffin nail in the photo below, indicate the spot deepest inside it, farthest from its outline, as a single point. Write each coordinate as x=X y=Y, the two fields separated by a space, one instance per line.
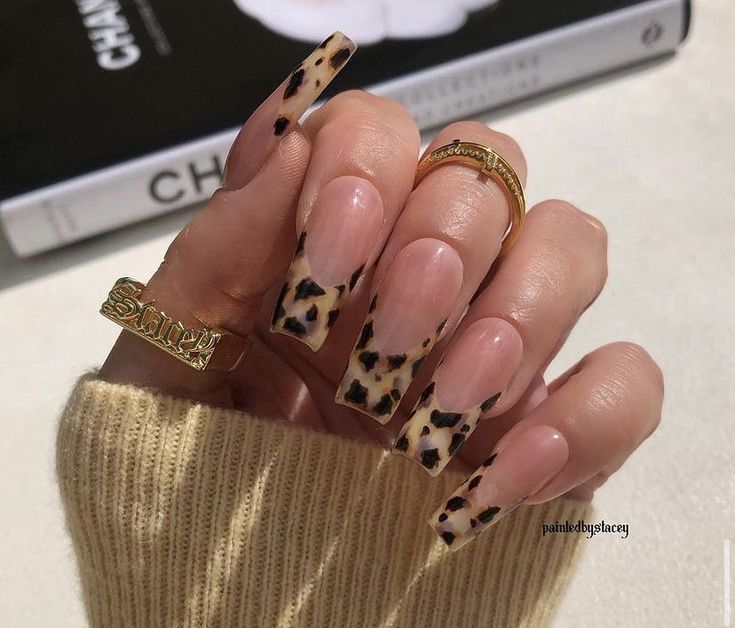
x=505 y=480
x=406 y=316
x=260 y=134
x=466 y=385
x=330 y=257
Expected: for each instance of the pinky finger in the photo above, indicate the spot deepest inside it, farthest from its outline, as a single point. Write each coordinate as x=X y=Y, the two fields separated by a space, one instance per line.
x=597 y=414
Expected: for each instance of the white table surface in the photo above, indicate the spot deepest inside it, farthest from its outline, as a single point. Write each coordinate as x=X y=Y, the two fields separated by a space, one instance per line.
x=651 y=152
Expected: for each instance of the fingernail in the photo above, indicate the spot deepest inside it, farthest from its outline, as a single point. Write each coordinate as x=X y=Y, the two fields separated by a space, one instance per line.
x=467 y=384
x=330 y=257
x=505 y=480
x=263 y=130
x=406 y=316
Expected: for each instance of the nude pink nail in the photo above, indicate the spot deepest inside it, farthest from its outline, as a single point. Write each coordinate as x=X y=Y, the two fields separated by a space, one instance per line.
x=522 y=467
x=264 y=129
x=466 y=385
x=330 y=258
x=406 y=316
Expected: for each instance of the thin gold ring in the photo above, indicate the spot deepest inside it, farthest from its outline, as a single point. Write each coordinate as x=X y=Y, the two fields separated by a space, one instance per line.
x=489 y=163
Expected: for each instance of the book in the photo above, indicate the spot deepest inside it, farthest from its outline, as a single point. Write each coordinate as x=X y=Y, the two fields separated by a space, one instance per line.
x=114 y=111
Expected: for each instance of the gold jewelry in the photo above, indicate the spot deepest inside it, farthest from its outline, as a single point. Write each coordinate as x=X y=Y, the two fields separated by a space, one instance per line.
x=195 y=347
x=487 y=161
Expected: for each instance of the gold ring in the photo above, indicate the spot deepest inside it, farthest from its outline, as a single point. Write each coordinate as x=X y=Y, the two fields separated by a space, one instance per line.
x=487 y=161
x=195 y=347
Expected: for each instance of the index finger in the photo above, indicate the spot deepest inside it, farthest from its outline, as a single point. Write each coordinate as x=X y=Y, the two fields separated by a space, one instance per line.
x=362 y=168
x=218 y=268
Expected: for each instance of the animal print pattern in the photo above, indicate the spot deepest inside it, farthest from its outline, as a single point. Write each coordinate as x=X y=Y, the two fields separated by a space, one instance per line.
x=311 y=77
x=375 y=382
x=305 y=309
x=432 y=435
x=460 y=519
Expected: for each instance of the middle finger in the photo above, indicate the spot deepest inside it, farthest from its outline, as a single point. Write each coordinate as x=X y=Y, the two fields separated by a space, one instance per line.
x=440 y=250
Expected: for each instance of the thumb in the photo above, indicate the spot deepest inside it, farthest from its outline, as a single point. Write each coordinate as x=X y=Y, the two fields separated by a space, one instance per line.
x=218 y=268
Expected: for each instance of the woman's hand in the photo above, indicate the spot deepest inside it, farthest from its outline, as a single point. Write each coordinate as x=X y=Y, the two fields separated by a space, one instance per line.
x=407 y=274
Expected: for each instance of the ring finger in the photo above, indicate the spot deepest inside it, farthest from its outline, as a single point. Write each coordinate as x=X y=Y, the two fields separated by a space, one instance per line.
x=512 y=331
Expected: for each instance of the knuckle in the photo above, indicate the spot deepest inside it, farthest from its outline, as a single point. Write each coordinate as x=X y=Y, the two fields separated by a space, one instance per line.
x=609 y=401
x=476 y=131
x=354 y=113
x=356 y=100
x=598 y=231
x=608 y=394
x=352 y=98
x=638 y=365
x=467 y=130
x=564 y=213
x=640 y=382
x=546 y=276
x=561 y=216
x=506 y=144
x=622 y=399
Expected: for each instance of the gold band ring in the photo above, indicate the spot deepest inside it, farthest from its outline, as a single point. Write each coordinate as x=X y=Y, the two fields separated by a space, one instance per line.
x=195 y=347
x=487 y=161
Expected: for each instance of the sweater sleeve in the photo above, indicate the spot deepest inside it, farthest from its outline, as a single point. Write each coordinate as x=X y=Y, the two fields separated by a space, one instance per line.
x=185 y=515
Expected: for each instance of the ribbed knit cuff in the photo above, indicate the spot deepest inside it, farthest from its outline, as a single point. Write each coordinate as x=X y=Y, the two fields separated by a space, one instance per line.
x=185 y=515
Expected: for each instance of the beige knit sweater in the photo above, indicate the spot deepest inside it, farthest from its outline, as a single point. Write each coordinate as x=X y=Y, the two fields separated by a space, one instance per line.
x=185 y=515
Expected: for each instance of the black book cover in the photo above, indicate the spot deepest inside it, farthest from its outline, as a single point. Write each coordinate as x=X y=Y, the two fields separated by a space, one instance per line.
x=86 y=84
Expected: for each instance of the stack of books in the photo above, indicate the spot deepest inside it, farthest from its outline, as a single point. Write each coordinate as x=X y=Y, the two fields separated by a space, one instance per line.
x=114 y=111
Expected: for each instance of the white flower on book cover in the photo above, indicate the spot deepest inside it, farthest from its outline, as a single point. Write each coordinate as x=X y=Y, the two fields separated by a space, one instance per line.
x=365 y=21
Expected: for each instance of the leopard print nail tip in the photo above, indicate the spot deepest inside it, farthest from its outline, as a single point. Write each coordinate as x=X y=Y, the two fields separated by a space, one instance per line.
x=310 y=79
x=305 y=309
x=460 y=520
x=375 y=381
x=432 y=435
